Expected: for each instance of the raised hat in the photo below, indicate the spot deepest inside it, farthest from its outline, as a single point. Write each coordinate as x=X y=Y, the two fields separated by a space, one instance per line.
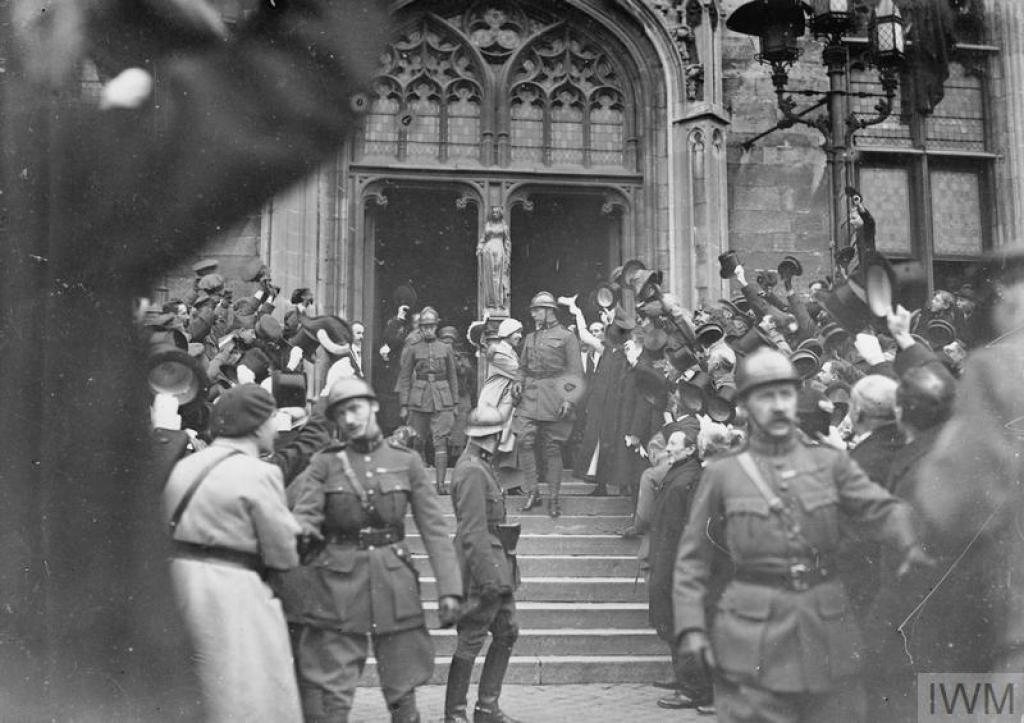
x=806 y=362
x=288 y=389
x=404 y=295
x=240 y=410
x=939 y=333
x=205 y=266
x=693 y=392
x=267 y=327
x=211 y=282
x=253 y=270
x=709 y=333
x=727 y=264
x=721 y=406
x=172 y=370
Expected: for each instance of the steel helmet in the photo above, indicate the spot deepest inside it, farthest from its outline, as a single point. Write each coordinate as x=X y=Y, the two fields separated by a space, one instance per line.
x=429 y=316
x=765 y=366
x=346 y=389
x=484 y=421
x=544 y=299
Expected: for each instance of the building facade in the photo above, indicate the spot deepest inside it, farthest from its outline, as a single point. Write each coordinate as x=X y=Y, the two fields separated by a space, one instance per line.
x=614 y=130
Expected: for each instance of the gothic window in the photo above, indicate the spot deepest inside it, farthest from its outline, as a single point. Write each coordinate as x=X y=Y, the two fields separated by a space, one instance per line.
x=427 y=98
x=513 y=82
x=573 y=91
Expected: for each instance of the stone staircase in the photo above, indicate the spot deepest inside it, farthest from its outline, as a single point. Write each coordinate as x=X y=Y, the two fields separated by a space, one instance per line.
x=582 y=612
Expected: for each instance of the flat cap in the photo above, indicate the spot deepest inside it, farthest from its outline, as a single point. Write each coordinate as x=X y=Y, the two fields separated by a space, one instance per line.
x=240 y=411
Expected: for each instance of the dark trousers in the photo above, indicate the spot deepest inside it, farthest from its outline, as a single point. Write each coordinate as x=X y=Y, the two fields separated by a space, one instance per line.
x=497 y=618
x=329 y=663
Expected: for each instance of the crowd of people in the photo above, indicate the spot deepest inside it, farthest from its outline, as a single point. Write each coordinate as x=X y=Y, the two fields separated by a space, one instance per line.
x=772 y=445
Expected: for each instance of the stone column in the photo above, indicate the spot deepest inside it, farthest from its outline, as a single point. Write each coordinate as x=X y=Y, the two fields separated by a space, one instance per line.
x=1005 y=20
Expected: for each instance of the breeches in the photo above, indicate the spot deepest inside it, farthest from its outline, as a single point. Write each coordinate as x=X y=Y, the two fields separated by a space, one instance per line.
x=497 y=618
x=435 y=426
x=328 y=664
x=742 y=703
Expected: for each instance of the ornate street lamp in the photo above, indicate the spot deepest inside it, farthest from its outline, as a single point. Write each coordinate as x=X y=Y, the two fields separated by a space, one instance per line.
x=778 y=24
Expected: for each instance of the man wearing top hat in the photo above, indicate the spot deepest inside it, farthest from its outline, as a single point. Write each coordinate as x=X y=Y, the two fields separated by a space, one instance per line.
x=782 y=643
x=552 y=385
x=485 y=546
x=428 y=390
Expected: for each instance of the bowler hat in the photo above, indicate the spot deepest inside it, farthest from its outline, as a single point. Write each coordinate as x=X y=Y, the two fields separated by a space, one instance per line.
x=832 y=335
x=876 y=276
x=475 y=333
x=806 y=362
x=939 y=332
x=813 y=345
x=721 y=406
x=789 y=267
x=172 y=370
x=257 y=361
x=733 y=307
x=605 y=295
x=205 y=266
x=709 y=333
x=727 y=264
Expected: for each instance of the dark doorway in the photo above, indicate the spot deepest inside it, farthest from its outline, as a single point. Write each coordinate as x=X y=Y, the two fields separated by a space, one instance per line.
x=425 y=240
x=562 y=245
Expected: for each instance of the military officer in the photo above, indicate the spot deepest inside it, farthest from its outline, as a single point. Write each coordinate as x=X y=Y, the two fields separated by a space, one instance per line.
x=485 y=546
x=552 y=386
x=428 y=389
x=784 y=645
x=363 y=583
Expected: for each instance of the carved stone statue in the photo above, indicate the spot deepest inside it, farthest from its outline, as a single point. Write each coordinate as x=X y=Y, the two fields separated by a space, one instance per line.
x=495 y=251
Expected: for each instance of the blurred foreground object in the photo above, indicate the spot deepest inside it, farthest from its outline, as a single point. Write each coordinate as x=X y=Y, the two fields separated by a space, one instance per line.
x=95 y=204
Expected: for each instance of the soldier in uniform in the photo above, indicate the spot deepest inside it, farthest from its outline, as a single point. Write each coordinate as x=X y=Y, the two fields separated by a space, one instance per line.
x=552 y=385
x=485 y=547
x=362 y=583
x=784 y=645
x=428 y=388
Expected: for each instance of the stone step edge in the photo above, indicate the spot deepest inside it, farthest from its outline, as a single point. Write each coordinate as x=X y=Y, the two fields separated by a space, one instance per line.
x=584 y=580
x=531 y=556
x=580 y=606
x=566 y=632
x=550 y=535
x=560 y=659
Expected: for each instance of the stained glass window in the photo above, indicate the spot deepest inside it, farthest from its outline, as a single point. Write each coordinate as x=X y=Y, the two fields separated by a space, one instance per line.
x=886 y=194
x=956 y=212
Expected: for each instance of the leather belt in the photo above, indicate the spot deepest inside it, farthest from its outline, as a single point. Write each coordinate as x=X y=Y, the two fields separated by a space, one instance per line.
x=799 y=576
x=427 y=376
x=211 y=553
x=368 y=537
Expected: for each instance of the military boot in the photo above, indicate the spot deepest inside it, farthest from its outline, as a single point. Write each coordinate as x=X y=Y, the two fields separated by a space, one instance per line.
x=440 y=470
x=528 y=463
x=491 y=678
x=553 y=463
x=531 y=501
x=404 y=710
x=459 y=673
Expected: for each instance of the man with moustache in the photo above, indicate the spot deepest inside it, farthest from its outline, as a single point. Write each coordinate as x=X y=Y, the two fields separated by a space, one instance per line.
x=362 y=585
x=783 y=644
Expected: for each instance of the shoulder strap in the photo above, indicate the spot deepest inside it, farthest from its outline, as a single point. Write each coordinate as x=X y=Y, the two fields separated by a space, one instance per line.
x=747 y=463
x=350 y=475
x=187 y=497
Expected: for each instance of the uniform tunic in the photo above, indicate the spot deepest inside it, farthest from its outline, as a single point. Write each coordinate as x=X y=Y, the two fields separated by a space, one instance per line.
x=767 y=637
x=553 y=373
x=235 y=623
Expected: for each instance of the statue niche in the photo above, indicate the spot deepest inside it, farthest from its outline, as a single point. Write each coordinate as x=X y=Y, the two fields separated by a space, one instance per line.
x=495 y=252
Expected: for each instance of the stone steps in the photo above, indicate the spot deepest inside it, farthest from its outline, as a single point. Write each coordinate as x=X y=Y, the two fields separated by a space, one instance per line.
x=582 y=612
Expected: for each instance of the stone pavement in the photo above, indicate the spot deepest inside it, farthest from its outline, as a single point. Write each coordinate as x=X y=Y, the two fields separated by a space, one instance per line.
x=592 y=702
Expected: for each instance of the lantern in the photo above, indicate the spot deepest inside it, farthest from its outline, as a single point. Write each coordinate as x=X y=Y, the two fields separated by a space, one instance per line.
x=887 y=39
x=830 y=17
